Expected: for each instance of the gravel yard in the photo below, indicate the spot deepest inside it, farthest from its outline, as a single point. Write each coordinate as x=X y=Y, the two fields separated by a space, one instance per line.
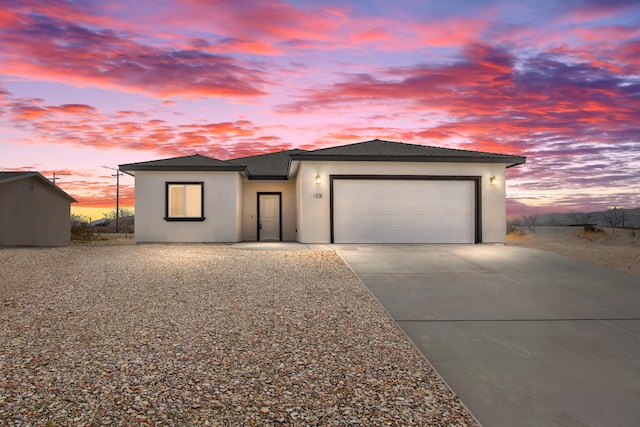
x=204 y=335
x=619 y=252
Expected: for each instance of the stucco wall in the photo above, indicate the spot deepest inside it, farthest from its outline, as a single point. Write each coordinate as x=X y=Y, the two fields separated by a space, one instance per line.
x=222 y=206
x=314 y=213
x=250 y=208
x=33 y=214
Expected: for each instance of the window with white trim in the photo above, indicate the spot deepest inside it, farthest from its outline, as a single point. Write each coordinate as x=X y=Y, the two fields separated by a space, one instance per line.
x=185 y=201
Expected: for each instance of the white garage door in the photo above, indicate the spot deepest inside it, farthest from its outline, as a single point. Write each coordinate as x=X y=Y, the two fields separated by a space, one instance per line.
x=403 y=211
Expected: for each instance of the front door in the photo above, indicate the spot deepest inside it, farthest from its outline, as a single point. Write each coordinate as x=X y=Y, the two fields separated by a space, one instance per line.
x=269 y=217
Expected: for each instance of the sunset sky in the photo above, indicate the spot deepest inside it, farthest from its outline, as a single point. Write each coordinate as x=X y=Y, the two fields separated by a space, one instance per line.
x=86 y=84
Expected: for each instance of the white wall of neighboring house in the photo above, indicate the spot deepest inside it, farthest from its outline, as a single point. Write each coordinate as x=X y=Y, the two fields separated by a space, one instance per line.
x=313 y=211
x=250 y=208
x=222 y=208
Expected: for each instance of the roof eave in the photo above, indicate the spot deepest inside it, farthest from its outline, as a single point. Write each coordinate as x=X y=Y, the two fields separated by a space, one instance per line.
x=19 y=176
x=268 y=177
x=140 y=168
x=513 y=160
x=517 y=161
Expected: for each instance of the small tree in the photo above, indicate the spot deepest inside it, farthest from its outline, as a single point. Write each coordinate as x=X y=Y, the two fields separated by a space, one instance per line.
x=81 y=231
x=613 y=217
x=122 y=212
x=529 y=221
x=117 y=215
x=514 y=225
x=77 y=219
x=579 y=218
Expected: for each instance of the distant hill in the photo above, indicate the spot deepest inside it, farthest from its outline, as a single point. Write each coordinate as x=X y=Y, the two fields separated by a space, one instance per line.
x=629 y=218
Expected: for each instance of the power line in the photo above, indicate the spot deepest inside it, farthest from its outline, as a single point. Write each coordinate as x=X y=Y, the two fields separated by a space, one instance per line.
x=56 y=176
x=117 y=175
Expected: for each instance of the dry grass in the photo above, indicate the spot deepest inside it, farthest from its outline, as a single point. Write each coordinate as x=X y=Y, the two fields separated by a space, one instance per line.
x=616 y=251
x=593 y=234
x=107 y=239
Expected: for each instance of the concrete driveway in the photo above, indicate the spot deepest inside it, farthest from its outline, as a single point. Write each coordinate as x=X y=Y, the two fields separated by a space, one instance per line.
x=524 y=337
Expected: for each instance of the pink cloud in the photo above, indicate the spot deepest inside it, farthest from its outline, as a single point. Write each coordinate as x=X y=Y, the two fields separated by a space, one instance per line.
x=275 y=20
x=452 y=32
x=97 y=194
x=483 y=90
x=28 y=113
x=373 y=35
x=608 y=33
x=585 y=11
x=231 y=45
x=83 y=125
x=52 y=48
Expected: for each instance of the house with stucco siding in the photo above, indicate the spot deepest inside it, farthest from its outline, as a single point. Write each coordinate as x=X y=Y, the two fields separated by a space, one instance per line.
x=370 y=192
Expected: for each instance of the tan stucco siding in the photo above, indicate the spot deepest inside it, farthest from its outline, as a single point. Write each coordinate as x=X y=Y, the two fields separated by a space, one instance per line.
x=314 y=211
x=33 y=214
x=222 y=191
x=250 y=208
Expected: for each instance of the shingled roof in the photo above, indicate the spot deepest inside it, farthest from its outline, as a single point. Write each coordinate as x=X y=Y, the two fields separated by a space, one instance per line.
x=276 y=166
x=12 y=176
x=268 y=166
x=6 y=177
x=195 y=162
x=381 y=150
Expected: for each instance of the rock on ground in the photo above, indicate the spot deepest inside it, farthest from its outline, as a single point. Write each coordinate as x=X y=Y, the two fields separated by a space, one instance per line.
x=204 y=335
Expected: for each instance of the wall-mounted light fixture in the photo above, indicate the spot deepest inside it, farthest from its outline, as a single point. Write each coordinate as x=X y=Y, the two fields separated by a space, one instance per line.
x=318 y=179
x=493 y=180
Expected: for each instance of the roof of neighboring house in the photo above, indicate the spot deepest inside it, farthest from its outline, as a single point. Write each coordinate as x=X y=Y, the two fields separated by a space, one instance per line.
x=195 y=162
x=268 y=166
x=12 y=176
x=6 y=177
x=380 y=150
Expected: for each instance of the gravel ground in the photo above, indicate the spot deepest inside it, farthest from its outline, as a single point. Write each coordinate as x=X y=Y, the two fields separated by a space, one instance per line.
x=204 y=335
x=618 y=252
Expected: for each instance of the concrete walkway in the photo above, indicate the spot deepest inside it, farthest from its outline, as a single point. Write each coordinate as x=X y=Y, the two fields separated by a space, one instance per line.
x=280 y=246
x=524 y=337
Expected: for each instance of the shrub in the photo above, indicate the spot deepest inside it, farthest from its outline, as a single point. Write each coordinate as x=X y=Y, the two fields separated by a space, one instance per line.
x=82 y=232
x=514 y=225
x=593 y=234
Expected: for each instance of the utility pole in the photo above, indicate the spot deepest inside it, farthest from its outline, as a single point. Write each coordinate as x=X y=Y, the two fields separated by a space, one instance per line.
x=56 y=176
x=117 y=175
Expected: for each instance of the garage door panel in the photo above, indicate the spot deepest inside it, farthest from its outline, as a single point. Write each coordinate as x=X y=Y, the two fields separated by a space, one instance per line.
x=354 y=222
x=454 y=222
x=452 y=206
x=421 y=222
x=394 y=236
x=403 y=211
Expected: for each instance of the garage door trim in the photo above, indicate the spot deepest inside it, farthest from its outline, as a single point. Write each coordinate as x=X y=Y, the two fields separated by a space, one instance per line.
x=475 y=179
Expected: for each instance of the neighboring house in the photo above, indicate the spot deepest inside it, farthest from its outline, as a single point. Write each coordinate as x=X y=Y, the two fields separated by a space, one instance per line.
x=33 y=211
x=370 y=192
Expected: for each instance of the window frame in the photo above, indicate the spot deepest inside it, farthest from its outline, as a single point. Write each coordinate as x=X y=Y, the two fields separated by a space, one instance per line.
x=168 y=184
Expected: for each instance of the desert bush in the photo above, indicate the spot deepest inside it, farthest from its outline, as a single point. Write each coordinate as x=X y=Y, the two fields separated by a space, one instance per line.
x=514 y=225
x=522 y=224
x=83 y=232
x=122 y=213
x=593 y=234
